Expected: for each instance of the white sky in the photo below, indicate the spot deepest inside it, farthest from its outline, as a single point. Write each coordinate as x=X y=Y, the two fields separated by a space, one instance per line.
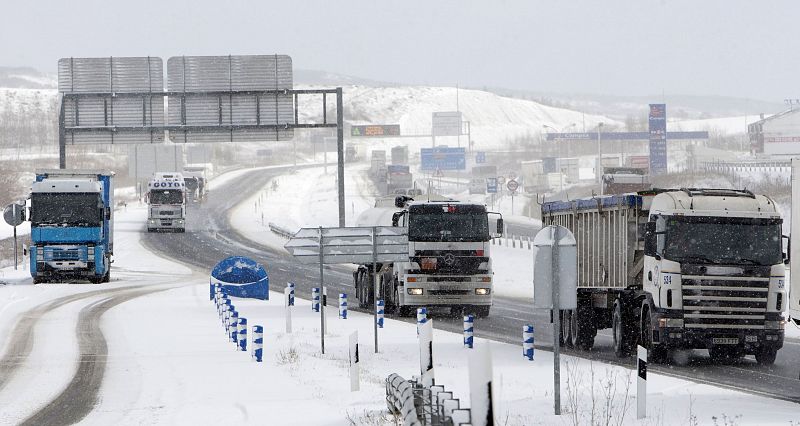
x=627 y=47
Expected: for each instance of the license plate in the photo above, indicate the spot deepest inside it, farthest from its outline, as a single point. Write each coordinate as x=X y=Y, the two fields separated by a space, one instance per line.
x=726 y=340
x=751 y=339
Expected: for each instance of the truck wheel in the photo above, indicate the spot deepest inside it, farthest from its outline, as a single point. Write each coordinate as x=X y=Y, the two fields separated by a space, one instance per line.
x=107 y=276
x=620 y=330
x=766 y=356
x=569 y=328
x=95 y=280
x=584 y=328
x=39 y=280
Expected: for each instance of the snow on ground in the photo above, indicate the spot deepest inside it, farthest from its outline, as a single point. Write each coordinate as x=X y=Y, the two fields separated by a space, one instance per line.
x=169 y=361
x=723 y=126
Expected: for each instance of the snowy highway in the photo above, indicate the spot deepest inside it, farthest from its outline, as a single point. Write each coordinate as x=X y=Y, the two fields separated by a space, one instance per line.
x=210 y=237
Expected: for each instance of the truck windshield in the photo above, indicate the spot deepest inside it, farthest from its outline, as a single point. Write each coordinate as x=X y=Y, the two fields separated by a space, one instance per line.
x=448 y=223
x=723 y=240
x=66 y=209
x=166 y=196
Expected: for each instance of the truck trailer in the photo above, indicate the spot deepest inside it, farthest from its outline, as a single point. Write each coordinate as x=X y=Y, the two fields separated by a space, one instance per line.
x=166 y=199
x=72 y=225
x=677 y=269
x=448 y=261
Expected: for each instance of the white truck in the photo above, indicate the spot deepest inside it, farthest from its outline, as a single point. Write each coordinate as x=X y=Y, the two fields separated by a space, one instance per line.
x=166 y=196
x=448 y=261
x=793 y=310
x=677 y=269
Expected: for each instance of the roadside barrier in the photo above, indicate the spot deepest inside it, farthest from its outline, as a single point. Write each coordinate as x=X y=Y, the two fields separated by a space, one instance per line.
x=343 y=305
x=527 y=341
x=258 y=342
x=381 y=307
x=416 y=405
x=279 y=230
x=400 y=400
x=242 y=332
x=469 y=329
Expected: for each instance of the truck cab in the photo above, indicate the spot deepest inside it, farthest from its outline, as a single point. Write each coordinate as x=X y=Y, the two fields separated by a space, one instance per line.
x=166 y=196
x=714 y=273
x=71 y=216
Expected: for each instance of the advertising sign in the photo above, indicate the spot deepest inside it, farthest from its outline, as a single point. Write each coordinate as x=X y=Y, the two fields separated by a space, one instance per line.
x=657 y=121
x=443 y=158
x=375 y=130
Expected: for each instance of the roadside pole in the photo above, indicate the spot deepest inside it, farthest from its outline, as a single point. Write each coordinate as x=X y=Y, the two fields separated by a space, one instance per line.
x=15 y=247
x=556 y=325
x=321 y=289
x=375 y=295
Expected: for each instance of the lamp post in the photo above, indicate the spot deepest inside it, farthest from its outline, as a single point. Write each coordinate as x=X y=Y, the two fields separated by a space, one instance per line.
x=599 y=165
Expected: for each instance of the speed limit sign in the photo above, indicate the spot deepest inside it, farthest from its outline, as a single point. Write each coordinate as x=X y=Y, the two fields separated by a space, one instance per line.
x=512 y=185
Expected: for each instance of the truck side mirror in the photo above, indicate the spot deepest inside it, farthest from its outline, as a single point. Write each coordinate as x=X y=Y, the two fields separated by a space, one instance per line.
x=500 y=226
x=650 y=242
x=396 y=218
x=108 y=213
x=787 y=255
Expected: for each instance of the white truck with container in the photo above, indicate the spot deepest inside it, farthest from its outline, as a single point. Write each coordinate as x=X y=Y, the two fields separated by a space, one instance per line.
x=677 y=269
x=166 y=197
x=448 y=261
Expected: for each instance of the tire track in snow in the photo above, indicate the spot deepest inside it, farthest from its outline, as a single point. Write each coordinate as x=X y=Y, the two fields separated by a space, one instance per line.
x=81 y=394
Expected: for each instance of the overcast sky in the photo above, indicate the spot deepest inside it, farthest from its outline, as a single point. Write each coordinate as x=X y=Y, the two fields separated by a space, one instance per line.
x=741 y=48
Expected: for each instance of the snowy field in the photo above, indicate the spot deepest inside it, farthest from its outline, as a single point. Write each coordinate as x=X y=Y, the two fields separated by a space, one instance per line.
x=170 y=363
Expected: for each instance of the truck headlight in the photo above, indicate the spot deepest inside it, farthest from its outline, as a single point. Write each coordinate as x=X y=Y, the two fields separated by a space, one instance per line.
x=415 y=291
x=670 y=322
x=482 y=291
x=90 y=251
x=774 y=325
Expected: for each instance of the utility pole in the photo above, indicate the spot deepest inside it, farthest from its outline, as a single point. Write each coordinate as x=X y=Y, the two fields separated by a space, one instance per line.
x=599 y=165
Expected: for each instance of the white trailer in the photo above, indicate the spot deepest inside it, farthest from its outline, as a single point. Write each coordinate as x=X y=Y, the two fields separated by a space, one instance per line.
x=793 y=310
x=449 y=263
x=677 y=269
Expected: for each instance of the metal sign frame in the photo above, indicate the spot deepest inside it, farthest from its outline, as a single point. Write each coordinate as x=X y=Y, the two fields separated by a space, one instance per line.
x=156 y=133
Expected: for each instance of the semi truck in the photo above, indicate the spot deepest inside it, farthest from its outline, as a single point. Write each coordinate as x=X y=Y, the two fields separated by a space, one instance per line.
x=620 y=180
x=448 y=257
x=793 y=310
x=166 y=199
x=72 y=225
x=677 y=269
x=400 y=155
x=398 y=178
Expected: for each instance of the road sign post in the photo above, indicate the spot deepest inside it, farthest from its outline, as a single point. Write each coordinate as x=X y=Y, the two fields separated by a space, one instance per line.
x=555 y=286
x=512 y=186
x=359 y=245
x=14 y=215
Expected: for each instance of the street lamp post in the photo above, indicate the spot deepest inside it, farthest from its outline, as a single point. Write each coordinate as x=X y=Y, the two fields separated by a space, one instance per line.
x=599 y=164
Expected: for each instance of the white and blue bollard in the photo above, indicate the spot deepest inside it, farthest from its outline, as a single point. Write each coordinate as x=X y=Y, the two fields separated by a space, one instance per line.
x=233 y=327
x=381 y=307
x=242 y=332
x=469 y=330
x=527 y=341
x=315 y=299
x=342 y=305
x=258 y=342
x=422 y=317
x=291 y=294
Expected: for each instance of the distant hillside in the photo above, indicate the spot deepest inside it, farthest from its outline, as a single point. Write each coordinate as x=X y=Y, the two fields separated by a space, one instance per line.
x=26 y=78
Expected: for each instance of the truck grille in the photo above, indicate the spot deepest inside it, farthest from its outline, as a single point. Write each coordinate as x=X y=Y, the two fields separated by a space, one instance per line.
x=716 y=302
x=448 y=292
x=167 y=212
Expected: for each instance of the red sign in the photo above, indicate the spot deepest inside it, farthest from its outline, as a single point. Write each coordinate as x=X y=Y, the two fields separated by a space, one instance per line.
x=512 y=185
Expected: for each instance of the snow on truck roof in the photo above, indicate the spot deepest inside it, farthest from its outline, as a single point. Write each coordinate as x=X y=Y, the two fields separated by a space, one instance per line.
x=66 y=185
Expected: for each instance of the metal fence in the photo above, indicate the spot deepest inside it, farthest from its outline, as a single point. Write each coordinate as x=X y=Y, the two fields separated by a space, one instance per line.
x=416 y=405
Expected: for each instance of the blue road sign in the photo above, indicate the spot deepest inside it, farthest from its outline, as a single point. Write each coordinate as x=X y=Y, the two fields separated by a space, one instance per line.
x=491 y=185
x=624 y=136
x=443 y=158
x=657 y=121
x=480 y=157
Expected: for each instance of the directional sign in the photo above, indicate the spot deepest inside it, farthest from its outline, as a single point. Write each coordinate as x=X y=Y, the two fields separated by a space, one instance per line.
x=491 y=185
x=443 y=158
x=349 y=245
x=480 y=157
x=446 y=123
x=512 y=185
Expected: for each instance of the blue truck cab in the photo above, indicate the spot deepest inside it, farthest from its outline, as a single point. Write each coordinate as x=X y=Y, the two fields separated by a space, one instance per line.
x=72 y=225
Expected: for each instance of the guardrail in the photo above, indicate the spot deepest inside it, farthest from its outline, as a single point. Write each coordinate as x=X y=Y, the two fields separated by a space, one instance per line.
x=416 y=405
x=279 y=230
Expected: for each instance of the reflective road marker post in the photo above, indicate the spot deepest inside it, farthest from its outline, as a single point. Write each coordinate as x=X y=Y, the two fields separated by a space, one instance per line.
x=242 y=331
x=354 y=362
x=641 y=383
x=287 y=297
x=469 y=331
x=426 y=354
x=258 y=342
